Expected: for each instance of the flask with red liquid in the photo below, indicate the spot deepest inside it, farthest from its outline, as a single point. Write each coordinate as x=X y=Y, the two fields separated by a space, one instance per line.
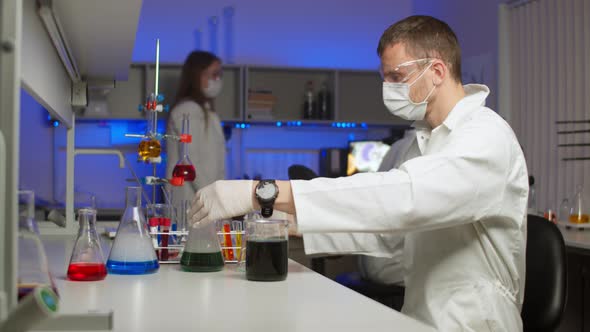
x=87 y=261
x=184 y=167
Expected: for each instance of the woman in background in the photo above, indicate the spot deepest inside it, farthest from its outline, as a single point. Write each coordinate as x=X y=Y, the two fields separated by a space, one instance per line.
x=200 y=83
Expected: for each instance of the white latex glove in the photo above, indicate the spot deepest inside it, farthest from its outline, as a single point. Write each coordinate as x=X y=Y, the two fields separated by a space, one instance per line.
x=222 y=200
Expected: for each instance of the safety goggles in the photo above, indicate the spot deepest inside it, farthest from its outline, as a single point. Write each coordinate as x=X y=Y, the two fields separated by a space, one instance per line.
x=403 y=72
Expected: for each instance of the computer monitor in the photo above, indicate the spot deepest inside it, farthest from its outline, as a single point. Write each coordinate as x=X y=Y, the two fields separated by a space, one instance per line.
x=365 y=156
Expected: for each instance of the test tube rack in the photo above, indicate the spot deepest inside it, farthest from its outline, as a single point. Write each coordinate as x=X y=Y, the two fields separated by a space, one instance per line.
x=231 y=236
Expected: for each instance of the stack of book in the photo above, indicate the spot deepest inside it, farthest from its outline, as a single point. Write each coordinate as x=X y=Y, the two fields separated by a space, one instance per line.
x=260 y=105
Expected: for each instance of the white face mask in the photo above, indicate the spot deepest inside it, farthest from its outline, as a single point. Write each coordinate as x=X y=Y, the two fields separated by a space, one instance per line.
x=396 y=97
x=213 y=89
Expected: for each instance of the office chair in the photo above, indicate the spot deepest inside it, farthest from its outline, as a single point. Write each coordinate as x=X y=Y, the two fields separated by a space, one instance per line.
x=300 y=172
x=546 y=276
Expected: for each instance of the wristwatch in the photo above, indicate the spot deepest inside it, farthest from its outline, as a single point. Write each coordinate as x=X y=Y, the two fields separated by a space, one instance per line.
x=266 y=192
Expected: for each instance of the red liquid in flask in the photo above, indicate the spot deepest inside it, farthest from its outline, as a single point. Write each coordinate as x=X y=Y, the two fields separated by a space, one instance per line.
x=185 y=171
x=87 y=271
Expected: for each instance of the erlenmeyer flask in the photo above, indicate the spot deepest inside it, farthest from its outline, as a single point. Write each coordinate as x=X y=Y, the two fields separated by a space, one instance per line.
x=132 y=251
x=184 y=167
x=578 y=209
x=87 y=261
x=202 y=252
x=33 y=269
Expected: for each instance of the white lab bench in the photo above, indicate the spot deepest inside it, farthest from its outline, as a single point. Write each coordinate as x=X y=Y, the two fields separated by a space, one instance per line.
x=172 y=300
x=576 y=238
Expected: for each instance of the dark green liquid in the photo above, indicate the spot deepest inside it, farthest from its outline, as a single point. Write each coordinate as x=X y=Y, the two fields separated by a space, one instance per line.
x=267 y=260
x=201 y=262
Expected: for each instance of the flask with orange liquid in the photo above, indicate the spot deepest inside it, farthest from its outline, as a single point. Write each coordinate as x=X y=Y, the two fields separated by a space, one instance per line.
x=578 y=213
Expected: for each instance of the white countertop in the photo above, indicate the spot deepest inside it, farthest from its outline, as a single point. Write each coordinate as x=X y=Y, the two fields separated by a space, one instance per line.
x=576 y=238
x=172 y=300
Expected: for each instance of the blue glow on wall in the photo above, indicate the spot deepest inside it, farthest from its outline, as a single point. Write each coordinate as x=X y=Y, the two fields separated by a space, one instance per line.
x=304 y=33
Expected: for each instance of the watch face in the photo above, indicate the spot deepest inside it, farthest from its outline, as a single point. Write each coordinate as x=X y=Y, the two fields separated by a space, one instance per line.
x=266 y=190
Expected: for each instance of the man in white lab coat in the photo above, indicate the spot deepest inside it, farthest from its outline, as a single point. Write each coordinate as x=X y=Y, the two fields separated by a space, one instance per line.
x=461 y=204
x=390 y=270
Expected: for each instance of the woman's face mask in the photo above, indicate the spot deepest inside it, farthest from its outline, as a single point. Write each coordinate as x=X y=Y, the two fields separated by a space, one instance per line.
x=396 y=91
x=213 y=88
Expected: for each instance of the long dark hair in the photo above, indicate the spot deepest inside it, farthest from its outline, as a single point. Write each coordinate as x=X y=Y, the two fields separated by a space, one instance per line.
x=190 y=87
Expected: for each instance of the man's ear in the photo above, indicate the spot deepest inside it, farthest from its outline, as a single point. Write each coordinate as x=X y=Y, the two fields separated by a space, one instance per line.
x=440 y=70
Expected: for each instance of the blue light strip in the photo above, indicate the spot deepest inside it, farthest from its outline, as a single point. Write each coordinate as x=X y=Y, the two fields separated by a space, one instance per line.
x=298 y=123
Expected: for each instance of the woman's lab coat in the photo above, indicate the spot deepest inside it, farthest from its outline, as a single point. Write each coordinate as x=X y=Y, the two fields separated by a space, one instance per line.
x=207 y=150
x=462 y=206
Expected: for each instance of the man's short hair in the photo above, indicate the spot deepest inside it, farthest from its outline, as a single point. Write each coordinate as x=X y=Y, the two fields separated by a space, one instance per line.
x=425 y=37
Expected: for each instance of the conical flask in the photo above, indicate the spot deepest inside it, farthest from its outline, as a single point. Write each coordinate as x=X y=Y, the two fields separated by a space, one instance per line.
x=33 y=269
x=202 y=252
x=132 y=251
x=87 y=261
x=578 y=213
x=184 y=167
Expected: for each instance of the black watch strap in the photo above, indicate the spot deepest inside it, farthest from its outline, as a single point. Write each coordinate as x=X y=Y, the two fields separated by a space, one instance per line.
x=266 y=211
x=266 y=205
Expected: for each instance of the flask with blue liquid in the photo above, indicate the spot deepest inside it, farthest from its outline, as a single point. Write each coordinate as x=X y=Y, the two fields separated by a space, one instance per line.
x=133 y=251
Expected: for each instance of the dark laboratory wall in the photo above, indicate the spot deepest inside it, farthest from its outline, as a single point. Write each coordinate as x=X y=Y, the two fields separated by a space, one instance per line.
x=36 y=149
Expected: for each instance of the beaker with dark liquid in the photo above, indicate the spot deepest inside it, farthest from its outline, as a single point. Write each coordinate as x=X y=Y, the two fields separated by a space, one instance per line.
x=267 y=249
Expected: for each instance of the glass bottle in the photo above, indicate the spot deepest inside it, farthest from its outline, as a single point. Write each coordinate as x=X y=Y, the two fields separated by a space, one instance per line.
x=324 y=103
x=578 y=213
x=132 y=251
x=87 y=261
x=309 y=107
x=33 y=269
x=184 y=167
x=202 y=252
x=532 y=201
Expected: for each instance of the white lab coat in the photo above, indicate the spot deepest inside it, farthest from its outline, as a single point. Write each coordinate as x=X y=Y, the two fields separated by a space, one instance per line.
x=462 y=206
x=207 y=150
x=391 y=270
